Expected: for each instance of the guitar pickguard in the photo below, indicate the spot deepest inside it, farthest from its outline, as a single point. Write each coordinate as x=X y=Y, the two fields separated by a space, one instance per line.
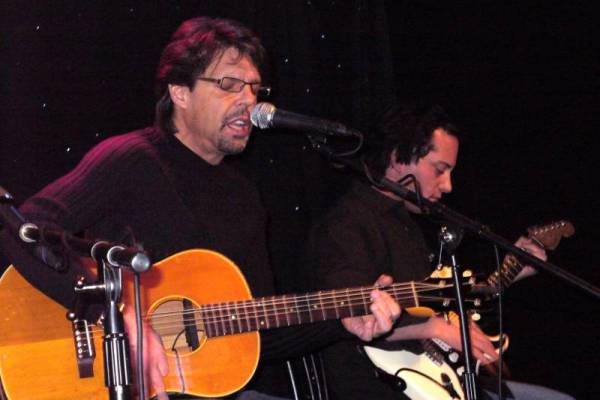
x=425 y=377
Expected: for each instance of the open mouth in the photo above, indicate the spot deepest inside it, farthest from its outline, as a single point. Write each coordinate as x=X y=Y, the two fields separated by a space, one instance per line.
x=239 y=124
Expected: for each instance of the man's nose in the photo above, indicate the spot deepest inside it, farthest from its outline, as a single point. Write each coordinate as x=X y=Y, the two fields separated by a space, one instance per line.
x=247 y=96
x=446 y=186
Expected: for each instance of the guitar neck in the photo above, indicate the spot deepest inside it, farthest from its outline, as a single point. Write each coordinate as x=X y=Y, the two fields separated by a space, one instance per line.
x=287 y=310
x=547 y=236
x=508 y=272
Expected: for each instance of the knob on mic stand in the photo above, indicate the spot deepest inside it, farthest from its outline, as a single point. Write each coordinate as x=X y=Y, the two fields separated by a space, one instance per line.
x=450 y=237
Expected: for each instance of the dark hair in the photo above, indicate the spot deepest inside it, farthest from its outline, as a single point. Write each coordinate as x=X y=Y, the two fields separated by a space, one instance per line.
x=193 y=47
x=408 y=130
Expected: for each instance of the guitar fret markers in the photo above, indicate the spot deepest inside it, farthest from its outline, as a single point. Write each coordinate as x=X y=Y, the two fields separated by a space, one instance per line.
x=266 y=312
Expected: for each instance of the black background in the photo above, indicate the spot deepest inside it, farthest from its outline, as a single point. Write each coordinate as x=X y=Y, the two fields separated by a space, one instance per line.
x=520 y=77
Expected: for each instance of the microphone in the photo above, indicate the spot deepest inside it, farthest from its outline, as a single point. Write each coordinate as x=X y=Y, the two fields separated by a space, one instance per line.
x=266 y=115
x=14 y=220
x=120 y=256
x=9 y=215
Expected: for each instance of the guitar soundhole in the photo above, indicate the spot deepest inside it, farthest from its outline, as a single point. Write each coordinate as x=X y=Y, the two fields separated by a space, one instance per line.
x=179 y=324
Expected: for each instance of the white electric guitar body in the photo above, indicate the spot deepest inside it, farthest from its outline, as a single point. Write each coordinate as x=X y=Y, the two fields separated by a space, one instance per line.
x=436 y=373
x=423 y=376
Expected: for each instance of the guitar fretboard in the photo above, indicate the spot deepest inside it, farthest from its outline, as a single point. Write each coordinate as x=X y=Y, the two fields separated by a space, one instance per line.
x=287 y=310
x=548 y=236
x=508 y=272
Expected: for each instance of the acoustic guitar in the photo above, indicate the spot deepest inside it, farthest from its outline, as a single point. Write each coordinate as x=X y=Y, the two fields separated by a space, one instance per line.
x=201 y=306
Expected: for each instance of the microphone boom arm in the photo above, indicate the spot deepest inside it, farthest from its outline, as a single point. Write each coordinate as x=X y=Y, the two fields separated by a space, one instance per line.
x=439 y=209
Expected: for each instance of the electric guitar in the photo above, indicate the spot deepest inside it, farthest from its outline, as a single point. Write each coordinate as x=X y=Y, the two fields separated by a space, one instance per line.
x=435 y=374
x=199 y=304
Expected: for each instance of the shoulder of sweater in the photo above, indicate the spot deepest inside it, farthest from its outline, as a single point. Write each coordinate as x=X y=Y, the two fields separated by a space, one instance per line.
x=126 y=148
x=354 y=205
x=351 y=212
x=143 y=139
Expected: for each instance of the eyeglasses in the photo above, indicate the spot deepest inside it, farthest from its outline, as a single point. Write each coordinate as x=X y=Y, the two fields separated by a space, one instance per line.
x=235 y=85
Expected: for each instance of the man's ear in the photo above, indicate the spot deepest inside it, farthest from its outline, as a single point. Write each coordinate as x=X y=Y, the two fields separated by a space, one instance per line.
x=179 y=95
x=395 y=169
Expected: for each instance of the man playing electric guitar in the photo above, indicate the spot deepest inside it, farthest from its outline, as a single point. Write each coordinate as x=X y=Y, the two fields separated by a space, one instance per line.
x=370 y=232
x=168 y=185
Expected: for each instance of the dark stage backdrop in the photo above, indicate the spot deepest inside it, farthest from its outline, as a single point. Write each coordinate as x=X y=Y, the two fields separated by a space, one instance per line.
x=521 y=77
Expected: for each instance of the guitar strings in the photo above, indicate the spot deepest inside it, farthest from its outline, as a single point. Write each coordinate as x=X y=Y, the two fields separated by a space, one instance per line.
x=265 y=318
x=352 y=292
x=296 y=301
x=251 y=320
x=267 y=307
x=312 y=298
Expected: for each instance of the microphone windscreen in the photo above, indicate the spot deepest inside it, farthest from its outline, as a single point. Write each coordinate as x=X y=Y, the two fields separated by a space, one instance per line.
x=262 y=115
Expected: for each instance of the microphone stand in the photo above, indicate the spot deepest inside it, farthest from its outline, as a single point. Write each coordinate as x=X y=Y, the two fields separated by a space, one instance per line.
x=450 y=241
x=112 y=257
x=117 y=366
x=440 y=210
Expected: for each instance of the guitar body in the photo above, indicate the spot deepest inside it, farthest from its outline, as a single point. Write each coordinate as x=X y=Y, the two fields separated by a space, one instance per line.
x=37 y=352
x=37 y=356
x=421 y=374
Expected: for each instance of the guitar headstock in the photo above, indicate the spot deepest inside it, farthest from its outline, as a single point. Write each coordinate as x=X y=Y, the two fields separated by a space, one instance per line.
x=442 y=294
x=549 y=236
